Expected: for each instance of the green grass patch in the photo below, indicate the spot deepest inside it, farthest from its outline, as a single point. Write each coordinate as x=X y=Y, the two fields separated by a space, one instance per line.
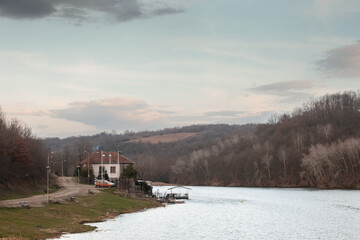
x=21 y=191
x=25 y=191
x=55 y=219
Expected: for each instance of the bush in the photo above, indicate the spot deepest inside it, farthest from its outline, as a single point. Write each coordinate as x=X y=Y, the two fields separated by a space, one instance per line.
x=129 y=172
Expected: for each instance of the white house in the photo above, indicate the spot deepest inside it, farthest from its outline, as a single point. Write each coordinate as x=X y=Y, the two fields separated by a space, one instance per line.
x=111 y=163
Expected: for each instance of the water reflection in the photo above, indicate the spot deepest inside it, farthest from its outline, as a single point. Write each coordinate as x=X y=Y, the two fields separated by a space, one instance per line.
x=242 y=213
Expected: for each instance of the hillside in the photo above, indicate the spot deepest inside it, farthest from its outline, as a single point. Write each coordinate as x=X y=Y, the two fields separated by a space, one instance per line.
x=174 y=137
x=134 y=145
x=22 y=159
x=316 y=145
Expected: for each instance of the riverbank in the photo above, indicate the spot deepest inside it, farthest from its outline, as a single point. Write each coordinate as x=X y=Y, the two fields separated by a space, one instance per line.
x=273 y=185
x=55 y=219
x=162 y=184
x=242 y=213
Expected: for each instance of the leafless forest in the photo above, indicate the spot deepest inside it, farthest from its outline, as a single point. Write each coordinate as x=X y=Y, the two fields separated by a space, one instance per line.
x=22 y=155
x=317 y=145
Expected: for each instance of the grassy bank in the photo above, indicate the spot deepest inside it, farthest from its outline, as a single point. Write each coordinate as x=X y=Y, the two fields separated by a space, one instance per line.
x=27 y=189
x=55 y=219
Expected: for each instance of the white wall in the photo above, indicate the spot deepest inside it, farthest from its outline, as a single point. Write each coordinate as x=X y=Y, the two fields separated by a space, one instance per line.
x=107 y=169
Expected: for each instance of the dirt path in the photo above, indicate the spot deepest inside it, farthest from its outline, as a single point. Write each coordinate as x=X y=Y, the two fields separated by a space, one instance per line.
x=68 y=185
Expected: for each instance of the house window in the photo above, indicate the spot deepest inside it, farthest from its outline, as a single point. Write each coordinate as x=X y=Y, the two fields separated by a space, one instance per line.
x=112 y=169
x=101 y=170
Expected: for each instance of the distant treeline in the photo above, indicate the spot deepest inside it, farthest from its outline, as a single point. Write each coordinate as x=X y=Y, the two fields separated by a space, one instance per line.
x=68 y=152
x=22 y=155
x=316 y=145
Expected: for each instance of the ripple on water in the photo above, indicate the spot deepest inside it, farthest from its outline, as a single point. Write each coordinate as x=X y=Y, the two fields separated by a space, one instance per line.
x=242 y=213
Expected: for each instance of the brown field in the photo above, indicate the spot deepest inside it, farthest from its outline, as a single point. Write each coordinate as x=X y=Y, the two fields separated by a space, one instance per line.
x=165 y=138
x=161 y=184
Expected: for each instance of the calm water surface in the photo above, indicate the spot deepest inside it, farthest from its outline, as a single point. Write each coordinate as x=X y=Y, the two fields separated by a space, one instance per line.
x=241 y=213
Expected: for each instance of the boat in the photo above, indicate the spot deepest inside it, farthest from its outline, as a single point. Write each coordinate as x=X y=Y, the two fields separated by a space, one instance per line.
x=174 y=197
x=179 y=195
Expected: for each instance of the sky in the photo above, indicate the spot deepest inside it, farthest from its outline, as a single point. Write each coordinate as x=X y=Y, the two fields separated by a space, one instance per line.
x=80 y=67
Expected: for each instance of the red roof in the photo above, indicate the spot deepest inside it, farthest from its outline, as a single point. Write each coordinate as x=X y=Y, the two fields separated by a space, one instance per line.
x=108 y=157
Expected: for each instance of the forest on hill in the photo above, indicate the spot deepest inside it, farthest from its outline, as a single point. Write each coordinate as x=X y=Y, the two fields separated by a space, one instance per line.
x=22 y=156
x=317 y=145
x=70 y=151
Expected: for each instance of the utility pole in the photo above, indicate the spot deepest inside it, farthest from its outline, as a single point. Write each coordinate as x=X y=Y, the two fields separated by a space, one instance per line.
x=48 y=158
x=101 y=165
x=78 y=167
x=53 y=163
x=47 y=183
x=62 y=168
x=102 y=170
x=118 y=157
x=48 y=168
x=88 y=165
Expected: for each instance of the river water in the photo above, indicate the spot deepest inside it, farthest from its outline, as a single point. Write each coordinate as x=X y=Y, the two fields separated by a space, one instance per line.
x=241 y=213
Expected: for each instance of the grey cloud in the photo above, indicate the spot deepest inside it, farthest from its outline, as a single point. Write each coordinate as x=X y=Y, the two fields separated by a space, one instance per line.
x=285 y=86
x=341 y=62
x=290 y=91
x=85 y=10
x=76 y=14
x=115 y=113
x=165 y=11
x=129 y=114
x=26 y=8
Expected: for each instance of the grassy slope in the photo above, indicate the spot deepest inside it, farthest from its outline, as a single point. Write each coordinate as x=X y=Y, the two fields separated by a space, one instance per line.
x=27 y=189
x=166 y=138
x=54 y=219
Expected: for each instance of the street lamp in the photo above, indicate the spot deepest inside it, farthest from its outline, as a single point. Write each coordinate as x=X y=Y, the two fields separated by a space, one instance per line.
x=53 y=162
x=78 y=167
x=88 y=165
x=48 y=158
x=47 y=183
x=49 y=154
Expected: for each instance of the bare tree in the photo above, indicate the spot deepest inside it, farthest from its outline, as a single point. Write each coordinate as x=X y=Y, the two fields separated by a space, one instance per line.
x=325 y=130
x=298 y=140
x=283 y=158
x=266 y=160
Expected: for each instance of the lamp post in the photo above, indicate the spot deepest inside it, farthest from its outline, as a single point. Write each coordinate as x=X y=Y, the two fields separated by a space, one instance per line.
x=102 y=170
x=88 y=166
x=118 y=159
x=53 y=163
x=48 y=158
x=47 y=183
x=78 y=167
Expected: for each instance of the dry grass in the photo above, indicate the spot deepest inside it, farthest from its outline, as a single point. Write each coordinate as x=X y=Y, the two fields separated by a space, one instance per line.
x=55 y=219
x=161 y=184
x=165 y=138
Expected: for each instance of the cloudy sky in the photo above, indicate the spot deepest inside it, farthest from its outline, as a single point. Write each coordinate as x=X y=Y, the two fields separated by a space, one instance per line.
x=76 y=67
